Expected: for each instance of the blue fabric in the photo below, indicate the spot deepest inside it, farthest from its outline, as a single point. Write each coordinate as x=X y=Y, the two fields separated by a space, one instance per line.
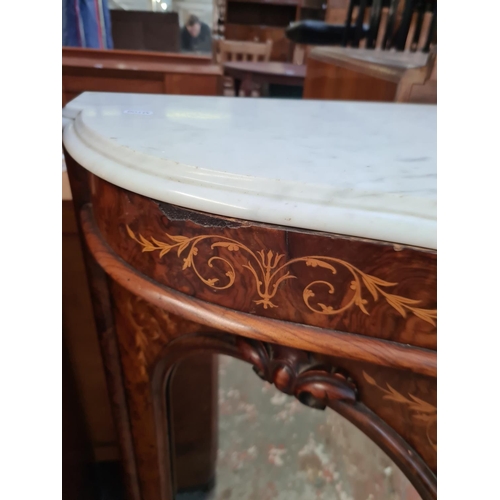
x=87 y=23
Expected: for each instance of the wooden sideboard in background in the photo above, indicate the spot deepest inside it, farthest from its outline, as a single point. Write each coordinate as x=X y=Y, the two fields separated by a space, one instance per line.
x=137 y=72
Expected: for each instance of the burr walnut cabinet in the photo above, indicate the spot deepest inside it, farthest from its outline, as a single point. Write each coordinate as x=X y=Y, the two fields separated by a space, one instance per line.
x=298 y=236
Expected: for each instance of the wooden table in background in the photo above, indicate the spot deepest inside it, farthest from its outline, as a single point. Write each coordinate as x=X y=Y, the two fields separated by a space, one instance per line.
x=138 y=72
x=370 y=75
x=265 y=73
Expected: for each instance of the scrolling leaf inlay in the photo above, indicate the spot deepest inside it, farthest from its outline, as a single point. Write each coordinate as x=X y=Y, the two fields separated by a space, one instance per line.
x=423 y=411
x=268 y=274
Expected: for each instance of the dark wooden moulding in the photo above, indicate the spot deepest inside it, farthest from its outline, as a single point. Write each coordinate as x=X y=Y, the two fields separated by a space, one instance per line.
x=338 y=322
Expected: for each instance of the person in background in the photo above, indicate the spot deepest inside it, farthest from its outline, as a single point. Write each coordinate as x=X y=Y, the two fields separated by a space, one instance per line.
x=196 y=36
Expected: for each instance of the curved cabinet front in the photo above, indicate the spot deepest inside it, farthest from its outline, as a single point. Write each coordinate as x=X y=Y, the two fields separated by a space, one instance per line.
x=338 y=322
x=305 y=248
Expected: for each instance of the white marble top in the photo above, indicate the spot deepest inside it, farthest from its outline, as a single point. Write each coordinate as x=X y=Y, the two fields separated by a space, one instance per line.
x=353 y=168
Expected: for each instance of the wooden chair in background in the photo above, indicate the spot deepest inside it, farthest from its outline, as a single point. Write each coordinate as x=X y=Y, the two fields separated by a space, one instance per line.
x=233 y=51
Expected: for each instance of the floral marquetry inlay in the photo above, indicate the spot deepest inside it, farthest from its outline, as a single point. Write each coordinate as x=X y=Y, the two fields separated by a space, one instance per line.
x=423 y=411
x=269 y=269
